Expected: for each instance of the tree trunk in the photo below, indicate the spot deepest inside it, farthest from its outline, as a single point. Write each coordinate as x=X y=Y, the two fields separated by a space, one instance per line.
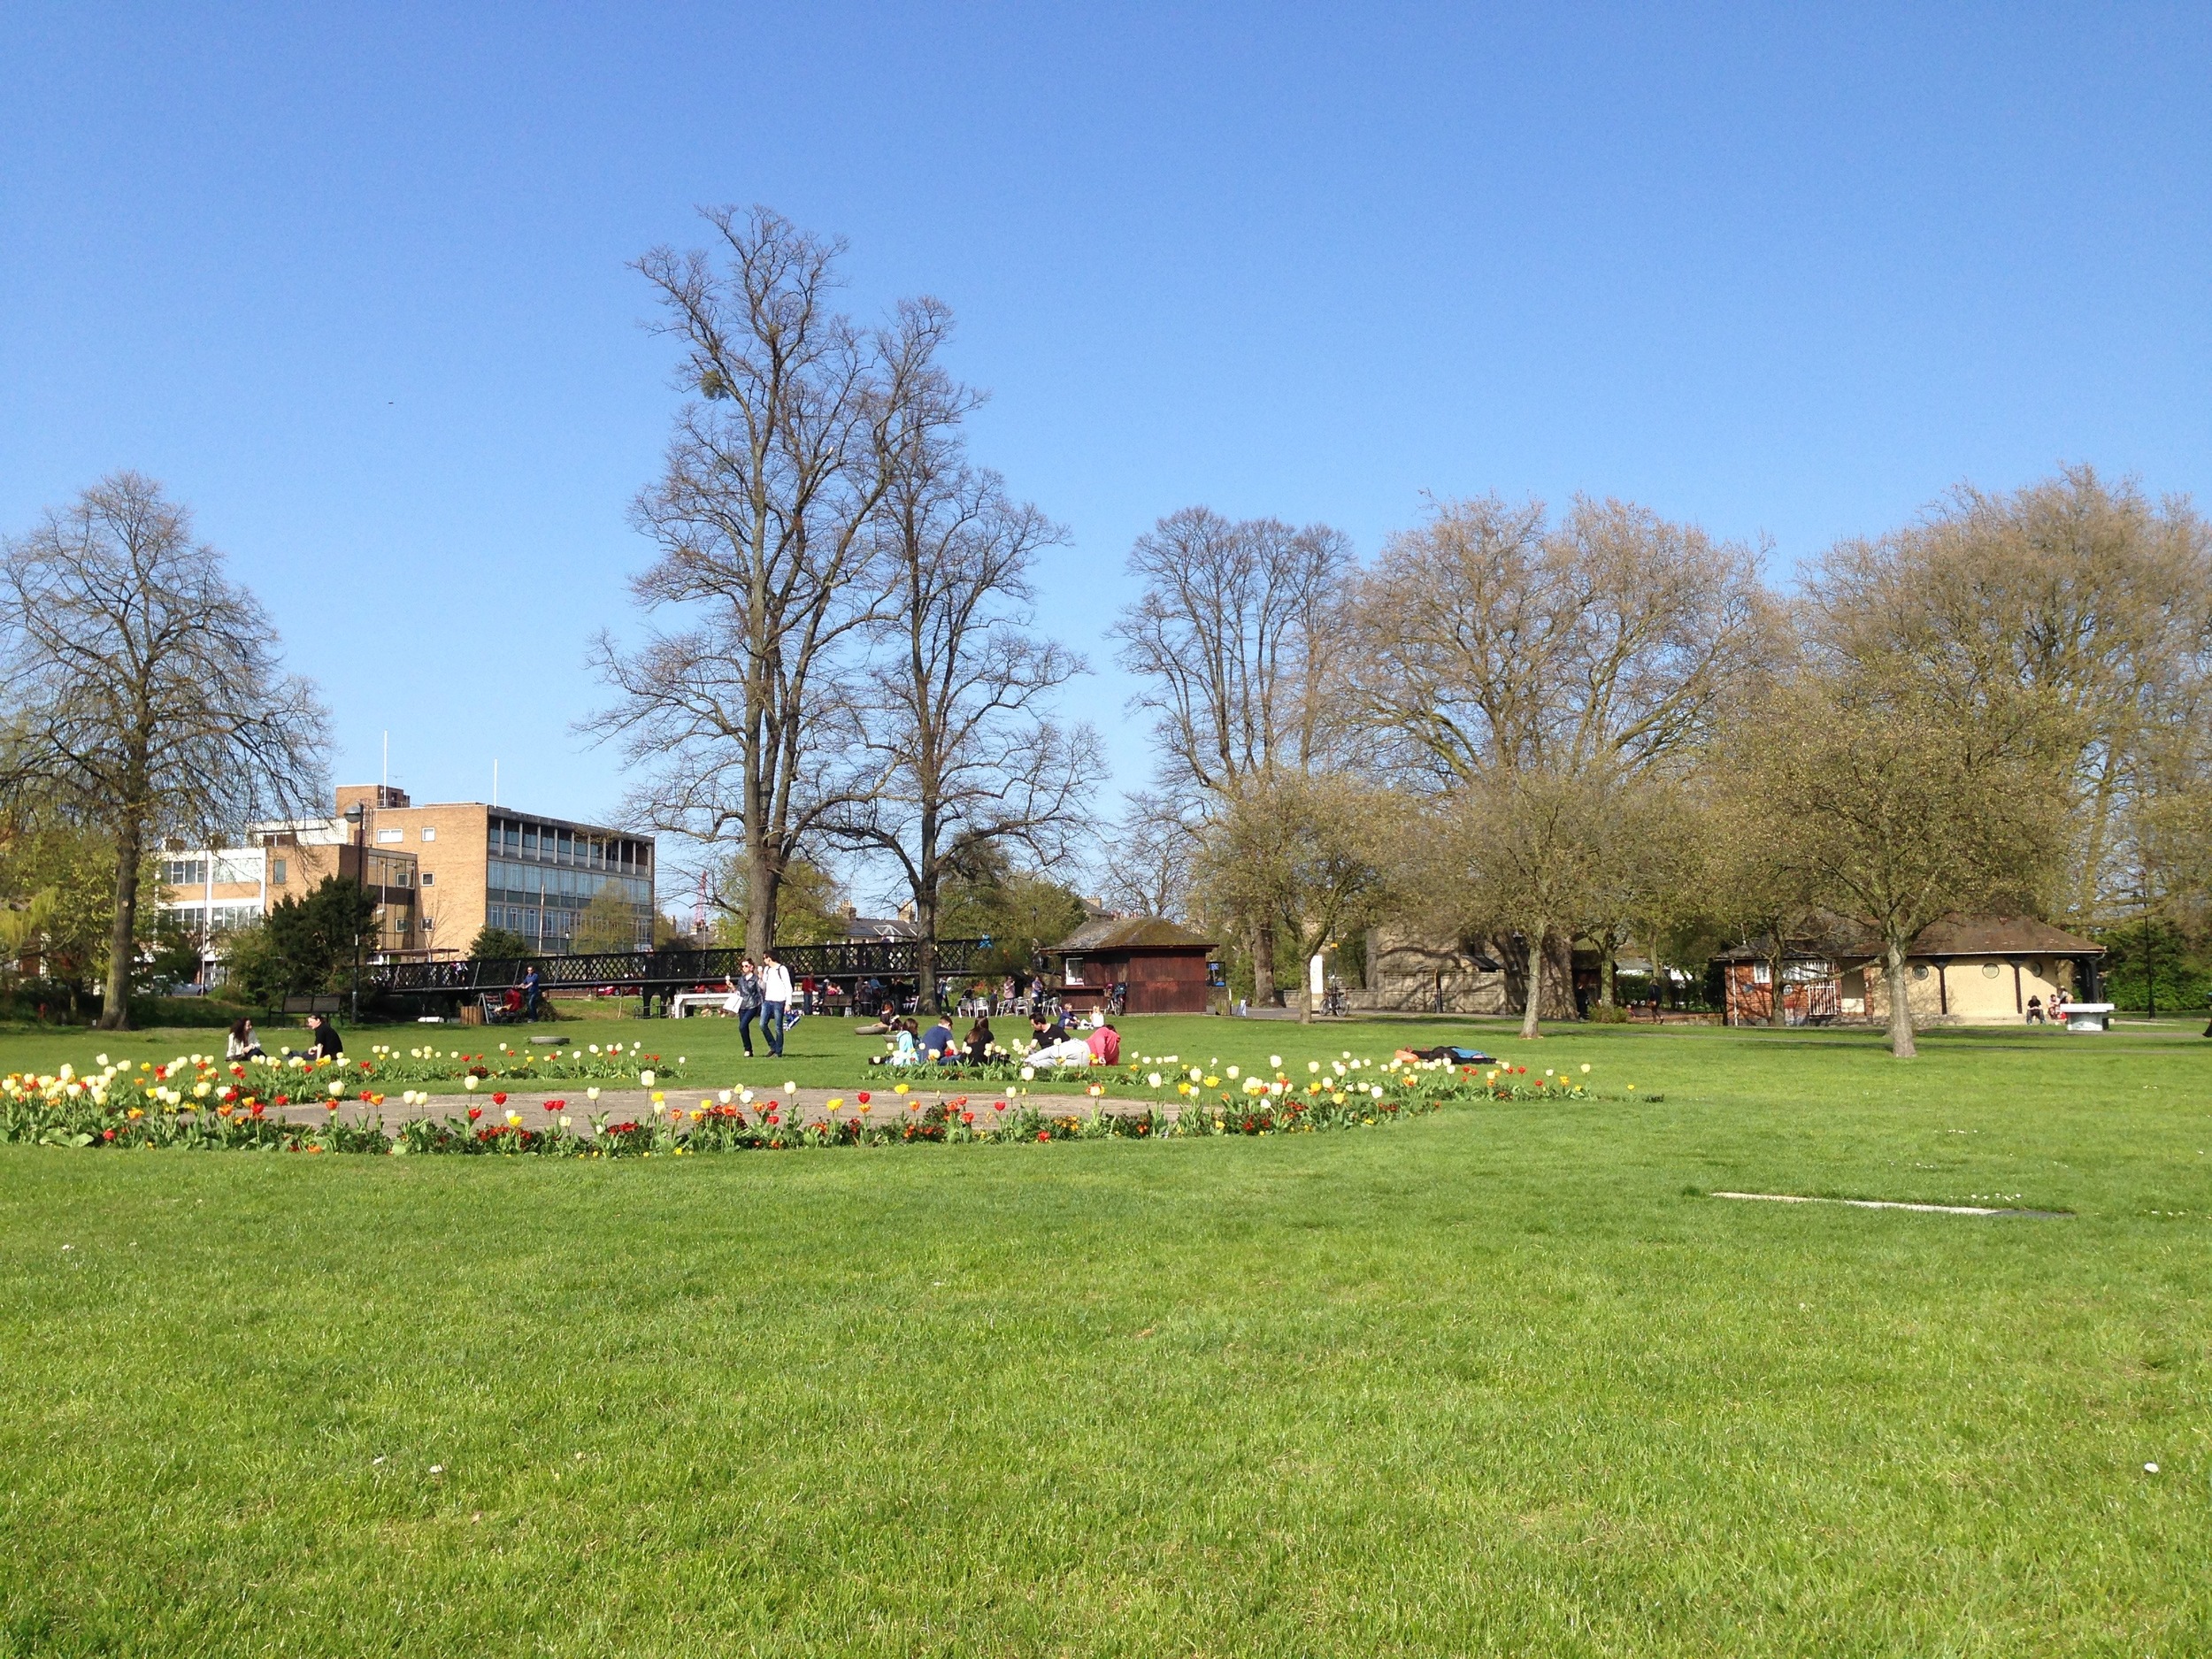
x=1559 y=978
x=1263 y=991
x=115 y=1007
x=1774 y=987
x=1605 y=974
x=762 y=876
x=925 y=946
x=1900 y=1042
x=1534 y=998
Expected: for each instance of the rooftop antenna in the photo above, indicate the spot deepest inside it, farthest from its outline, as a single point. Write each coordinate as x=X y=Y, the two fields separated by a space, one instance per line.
x=385 y=788
x=495 y=783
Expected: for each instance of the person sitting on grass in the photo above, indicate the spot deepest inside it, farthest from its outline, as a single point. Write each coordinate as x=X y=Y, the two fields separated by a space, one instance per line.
x=328 y=1044
x=1105 y=1044
x=2035 y=1010
x=1046 y=1031
x=887 y=1022
x=936 y=1042
x=900 y=1050
x=979 y=1041
x=243 y=1044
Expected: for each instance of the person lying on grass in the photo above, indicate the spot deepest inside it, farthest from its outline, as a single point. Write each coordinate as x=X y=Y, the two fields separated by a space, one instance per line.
x=1068 y=1051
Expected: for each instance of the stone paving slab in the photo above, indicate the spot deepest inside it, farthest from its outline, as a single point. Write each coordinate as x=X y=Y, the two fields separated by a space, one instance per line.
x=636 y=1104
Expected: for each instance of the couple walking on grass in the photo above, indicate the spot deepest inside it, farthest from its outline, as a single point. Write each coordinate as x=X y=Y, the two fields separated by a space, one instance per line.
x=761 y=994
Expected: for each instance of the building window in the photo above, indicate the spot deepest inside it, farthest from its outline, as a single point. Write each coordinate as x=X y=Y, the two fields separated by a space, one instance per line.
x=1762 y=974
x=430 y=877
x=391 y=836
x=276 y=871
x=1919 y=970
x=185 y=872
x=430 y=834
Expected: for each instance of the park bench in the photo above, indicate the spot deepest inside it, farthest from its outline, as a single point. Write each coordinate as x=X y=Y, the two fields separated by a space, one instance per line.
x=317 y=1004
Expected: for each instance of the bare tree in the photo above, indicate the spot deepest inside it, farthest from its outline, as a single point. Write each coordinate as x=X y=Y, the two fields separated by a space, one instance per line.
x=1536 y=669
x=1229 y=638
x=763 y=516
x=1147 y=866
x=2085 y=594
x=956 y=755
x=144 y=689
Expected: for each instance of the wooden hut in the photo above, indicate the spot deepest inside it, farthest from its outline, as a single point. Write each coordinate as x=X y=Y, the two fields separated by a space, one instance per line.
x=1962 y=970
x=1158 y=966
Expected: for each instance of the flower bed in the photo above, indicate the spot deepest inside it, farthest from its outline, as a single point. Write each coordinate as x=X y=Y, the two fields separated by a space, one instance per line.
x=198 y=1101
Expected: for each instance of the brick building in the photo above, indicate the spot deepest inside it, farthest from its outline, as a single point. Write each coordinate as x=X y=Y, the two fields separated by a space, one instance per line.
x=438 y=872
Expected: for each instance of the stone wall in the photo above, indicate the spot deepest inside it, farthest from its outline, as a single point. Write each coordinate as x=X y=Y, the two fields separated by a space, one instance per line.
x=1405 y=969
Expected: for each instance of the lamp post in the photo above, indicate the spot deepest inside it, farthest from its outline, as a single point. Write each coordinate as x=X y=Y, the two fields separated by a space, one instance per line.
x=357 y=820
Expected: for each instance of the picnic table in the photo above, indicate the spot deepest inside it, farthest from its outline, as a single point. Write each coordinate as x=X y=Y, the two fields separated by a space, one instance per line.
x=2086 y=1016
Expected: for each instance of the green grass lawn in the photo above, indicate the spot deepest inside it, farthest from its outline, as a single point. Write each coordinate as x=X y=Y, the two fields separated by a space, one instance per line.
x=1498 y=1380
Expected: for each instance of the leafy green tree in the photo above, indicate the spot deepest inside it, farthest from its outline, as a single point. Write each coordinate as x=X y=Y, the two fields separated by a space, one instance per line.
x=809 y=905
x=317 y=934
x=1019 y=911
x=58 y=881
x=492 y=943
x=1311 y=851
x=174 y=954
x=608 y=922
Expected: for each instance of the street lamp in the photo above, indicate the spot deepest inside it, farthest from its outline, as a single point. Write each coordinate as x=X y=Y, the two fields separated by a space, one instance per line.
x=357 y=820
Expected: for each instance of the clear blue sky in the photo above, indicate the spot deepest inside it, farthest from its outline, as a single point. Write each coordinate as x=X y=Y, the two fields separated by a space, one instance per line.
x=352 y=282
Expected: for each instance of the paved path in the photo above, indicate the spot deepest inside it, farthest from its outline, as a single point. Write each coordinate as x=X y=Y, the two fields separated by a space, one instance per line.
x=618 y=1105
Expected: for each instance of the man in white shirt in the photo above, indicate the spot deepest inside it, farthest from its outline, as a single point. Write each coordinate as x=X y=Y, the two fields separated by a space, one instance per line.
x=775 y=996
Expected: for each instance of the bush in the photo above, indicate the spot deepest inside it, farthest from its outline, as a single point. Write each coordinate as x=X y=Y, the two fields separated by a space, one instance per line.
x=196 y=1011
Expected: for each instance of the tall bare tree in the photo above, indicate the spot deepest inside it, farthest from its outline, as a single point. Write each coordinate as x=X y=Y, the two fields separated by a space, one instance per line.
x=1147 y=866
x=2083 y=593
x=956 y=751
x=764 y=513
x=1230 y=639
x=1538 y=668
x=144 y=689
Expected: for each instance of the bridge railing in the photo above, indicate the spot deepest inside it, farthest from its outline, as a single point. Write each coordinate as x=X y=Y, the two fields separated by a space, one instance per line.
x=661 y=970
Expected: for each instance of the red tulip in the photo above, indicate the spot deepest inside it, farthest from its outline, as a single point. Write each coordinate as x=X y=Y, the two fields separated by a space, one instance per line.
x=475 y=1112
x=499 y=1100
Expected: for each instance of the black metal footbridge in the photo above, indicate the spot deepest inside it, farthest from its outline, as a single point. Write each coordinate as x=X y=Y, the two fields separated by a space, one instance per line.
x=663 y=973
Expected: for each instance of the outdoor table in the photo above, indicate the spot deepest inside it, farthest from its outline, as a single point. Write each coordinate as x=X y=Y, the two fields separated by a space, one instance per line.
x=2086 y=1016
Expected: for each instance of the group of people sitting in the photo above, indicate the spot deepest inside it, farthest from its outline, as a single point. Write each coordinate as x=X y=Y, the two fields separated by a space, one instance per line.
x=1053 y=1045
x=245 y=1043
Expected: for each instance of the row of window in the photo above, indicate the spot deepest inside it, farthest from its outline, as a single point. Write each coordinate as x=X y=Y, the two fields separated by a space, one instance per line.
x=533 y=879
x=551 y=931
x=219 y=919
x=547 y=844
x=195 y=871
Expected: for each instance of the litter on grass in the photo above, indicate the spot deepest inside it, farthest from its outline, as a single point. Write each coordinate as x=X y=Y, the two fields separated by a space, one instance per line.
x=1890 y=1203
